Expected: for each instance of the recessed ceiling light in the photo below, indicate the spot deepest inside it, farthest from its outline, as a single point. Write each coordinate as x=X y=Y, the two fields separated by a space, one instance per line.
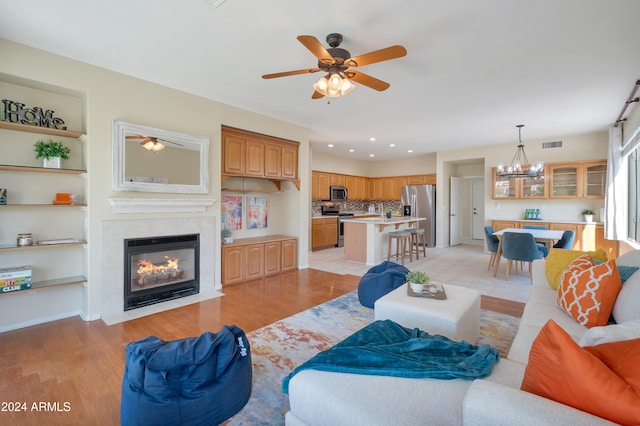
x=410 y=150
x=351 y=150
x=372 y=139
x=392 y=145
x=372 y=155
x=330 y=145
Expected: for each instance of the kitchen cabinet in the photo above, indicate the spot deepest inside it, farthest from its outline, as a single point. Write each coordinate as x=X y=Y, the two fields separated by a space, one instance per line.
x=502 y=224
x=523 y=188
x=578 y=179
x=324 y=232
x=252 y=258
x=337 y=180
x=322 y=192
x=581 y=239
x=247 y=154
x=363 y=188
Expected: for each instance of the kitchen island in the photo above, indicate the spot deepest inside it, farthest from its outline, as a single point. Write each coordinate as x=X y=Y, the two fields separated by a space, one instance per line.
x=366 y=239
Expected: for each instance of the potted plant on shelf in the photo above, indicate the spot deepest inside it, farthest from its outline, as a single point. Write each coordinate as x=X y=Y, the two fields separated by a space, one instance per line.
x=52 y=153
x=417 y=280
x=388 y=212
x=227 y=234
x=588 y=215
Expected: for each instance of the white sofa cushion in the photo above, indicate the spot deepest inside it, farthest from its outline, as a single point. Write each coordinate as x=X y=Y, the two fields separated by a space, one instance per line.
x=611 y=333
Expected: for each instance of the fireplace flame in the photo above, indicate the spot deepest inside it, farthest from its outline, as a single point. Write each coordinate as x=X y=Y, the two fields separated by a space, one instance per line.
x=148 y=269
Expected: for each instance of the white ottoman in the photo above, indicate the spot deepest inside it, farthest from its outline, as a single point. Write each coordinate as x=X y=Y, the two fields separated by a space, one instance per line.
x=457 y=317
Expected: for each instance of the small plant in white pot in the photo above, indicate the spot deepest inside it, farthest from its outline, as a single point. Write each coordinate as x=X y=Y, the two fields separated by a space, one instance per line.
x=227 y=234
x=417 y=280
x=588 y=215
x=52 y=153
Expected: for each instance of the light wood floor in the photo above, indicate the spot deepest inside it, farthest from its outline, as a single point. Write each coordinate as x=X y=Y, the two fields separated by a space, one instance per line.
x=75 y=368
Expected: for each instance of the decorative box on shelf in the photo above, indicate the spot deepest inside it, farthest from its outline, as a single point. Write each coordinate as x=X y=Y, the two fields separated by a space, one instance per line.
x=15 y=279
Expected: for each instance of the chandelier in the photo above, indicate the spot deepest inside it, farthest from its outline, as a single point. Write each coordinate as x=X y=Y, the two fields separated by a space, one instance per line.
x=520 y=167
x=334 y=84
x=152 y=144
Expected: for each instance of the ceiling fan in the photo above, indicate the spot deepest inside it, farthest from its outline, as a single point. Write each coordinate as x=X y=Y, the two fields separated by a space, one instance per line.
x=151 y=143
x=337 y=63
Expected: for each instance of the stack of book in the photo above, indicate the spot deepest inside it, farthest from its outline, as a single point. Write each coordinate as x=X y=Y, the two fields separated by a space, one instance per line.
x=15 y=278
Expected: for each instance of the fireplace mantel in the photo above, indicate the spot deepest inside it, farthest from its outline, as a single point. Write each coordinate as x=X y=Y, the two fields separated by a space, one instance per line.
x=160 y=205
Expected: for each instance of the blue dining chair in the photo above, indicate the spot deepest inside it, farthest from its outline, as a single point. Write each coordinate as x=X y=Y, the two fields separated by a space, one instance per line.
x=492 y=245
x=520 y=246
x=541 y=246
x=566 y=242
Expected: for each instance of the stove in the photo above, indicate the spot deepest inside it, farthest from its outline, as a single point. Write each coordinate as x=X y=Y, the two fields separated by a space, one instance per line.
x=333 y=210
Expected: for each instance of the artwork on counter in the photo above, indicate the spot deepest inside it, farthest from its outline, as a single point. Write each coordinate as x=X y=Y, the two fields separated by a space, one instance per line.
x=257 y=212
x=231 y=211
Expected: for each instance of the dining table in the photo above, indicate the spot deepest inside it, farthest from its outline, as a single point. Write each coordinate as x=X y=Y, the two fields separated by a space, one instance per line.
x=543 y=235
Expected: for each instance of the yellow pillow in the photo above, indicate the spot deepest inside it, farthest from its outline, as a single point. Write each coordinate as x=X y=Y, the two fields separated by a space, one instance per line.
x=587 y=292
x=603 y=380
x=558 y=259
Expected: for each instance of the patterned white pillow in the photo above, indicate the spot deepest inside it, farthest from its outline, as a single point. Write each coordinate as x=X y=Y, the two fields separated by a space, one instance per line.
x=611 y=333
x=627 y=305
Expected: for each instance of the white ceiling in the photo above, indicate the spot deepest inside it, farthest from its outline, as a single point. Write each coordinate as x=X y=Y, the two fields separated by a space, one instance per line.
x=474 y=68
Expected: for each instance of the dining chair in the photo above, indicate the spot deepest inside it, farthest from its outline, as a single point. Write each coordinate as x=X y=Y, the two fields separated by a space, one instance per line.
x=566 y=242
x=520 y=246
x=492 y=244
x=541 y=246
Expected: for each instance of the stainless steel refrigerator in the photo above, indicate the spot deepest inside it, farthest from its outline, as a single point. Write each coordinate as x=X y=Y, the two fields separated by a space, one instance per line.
x=422 y=199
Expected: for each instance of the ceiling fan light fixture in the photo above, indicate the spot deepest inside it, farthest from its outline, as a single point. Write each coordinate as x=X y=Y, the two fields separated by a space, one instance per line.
x=333 y=85
x=151 y=145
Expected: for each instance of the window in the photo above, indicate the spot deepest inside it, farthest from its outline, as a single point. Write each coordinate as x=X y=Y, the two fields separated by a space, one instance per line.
x=634 y=195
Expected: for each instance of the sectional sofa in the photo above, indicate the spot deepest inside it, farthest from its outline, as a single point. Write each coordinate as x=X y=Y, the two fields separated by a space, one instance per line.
x=327 y=398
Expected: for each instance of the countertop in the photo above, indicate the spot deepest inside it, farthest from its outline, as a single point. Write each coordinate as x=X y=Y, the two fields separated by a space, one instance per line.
x=392 y=221
x=542 y=221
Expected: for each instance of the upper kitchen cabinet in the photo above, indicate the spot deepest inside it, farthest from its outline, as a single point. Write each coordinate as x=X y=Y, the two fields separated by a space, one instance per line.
x=505 y=188
x=252 y=155
x=578 y=179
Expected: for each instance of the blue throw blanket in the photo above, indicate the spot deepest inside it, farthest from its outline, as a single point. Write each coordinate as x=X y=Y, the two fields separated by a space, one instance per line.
x=385 y=348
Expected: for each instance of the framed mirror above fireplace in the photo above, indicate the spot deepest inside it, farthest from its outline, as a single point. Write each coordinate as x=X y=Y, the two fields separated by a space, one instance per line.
x=148 y=159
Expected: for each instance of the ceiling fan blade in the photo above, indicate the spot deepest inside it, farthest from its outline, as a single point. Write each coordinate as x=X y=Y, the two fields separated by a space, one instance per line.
x=368 y=81
x=392 y=52
x=315 y=47
x=287 y=73
x=317 y=95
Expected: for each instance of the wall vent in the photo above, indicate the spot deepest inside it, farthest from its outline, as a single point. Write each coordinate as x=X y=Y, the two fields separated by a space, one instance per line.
x=554 y=144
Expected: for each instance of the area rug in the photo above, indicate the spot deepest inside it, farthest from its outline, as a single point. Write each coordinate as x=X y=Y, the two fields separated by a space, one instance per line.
x=278 y=348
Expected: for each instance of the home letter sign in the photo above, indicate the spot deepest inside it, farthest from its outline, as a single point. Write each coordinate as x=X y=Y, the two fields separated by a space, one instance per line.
x=15 y=112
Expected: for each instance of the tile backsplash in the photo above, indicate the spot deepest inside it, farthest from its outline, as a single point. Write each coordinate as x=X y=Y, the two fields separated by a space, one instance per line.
x=355 y=206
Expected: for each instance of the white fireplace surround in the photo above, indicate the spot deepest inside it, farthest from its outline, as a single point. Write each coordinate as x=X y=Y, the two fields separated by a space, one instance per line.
x=114 y=232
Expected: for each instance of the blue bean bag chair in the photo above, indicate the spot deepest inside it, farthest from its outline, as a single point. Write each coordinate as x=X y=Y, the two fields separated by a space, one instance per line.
x=194 y=381
x=380 y=280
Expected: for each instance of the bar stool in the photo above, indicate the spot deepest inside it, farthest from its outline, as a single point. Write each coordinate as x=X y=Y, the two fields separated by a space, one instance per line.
x=417 y=238
x=403 y=245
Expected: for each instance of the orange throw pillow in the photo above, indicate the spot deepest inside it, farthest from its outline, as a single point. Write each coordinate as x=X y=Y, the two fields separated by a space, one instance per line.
x=588 y=292
x=559 y=369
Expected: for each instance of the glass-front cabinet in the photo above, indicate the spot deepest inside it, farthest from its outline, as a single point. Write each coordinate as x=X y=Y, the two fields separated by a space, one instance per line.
x=504 y=188
x=578 y=180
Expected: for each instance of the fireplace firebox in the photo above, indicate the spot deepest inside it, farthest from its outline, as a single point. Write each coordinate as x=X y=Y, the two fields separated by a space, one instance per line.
x=157 y=269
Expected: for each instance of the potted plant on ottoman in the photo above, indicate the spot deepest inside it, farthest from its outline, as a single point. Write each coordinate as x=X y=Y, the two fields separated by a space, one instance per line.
x=52 y=153
x=588 y=215
x=417 y=280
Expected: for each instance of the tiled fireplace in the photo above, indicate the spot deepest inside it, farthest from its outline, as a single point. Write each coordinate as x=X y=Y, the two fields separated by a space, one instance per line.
x=194 y=275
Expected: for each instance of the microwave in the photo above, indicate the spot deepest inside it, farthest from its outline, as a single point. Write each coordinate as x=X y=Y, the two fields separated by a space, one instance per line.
x=338 y=193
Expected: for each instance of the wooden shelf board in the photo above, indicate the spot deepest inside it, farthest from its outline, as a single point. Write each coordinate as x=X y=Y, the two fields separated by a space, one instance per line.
x=37 y=129
x=39 y=246
x=13 y=168
x=58 y=282
x=41 y=205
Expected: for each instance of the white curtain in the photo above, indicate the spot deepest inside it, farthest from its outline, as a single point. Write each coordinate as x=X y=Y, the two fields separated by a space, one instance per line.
x=615 y=200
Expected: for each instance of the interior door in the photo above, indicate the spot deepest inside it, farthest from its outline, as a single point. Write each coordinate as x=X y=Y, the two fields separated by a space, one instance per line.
x=477 y=205
x=455 y=218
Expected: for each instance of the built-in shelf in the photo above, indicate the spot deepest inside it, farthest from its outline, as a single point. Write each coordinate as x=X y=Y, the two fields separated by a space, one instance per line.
x=58 y=282
x=22 y=206
x=39 y=246
x=13 y=168
x=38 y=129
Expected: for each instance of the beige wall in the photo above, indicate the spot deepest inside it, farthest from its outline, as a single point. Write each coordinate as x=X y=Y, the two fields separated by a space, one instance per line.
x=111 y=96
x=423 y=164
